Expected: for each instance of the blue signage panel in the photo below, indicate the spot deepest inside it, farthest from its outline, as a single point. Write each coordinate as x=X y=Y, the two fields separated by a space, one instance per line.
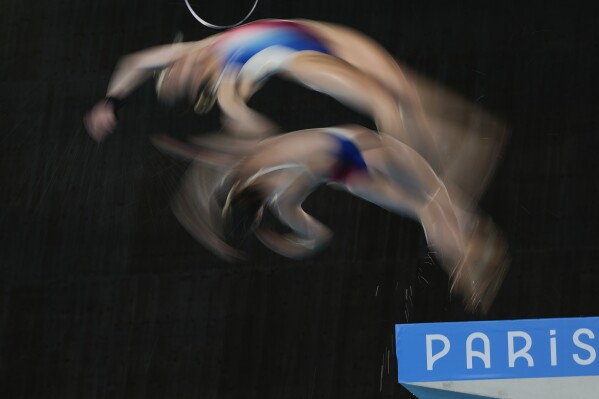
x=497 y=349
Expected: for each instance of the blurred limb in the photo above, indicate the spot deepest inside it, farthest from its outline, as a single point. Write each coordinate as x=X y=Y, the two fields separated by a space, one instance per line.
x=285 y=169
x=468 y=245
x=133 y=70
x=350 y=86
x=368 y=56
x=457 y=138
x=446 y=134
x=100 y=120
x=212 y=200
x=470 y=139
x=484 y=267
x=238 y=119
x=189 y=151
x=220 y=143
x=308 y=236
x=195 y=206
x=408 y=186
x=318 y=71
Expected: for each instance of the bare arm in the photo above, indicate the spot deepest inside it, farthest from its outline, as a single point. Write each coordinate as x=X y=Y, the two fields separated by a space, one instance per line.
x=131 y=71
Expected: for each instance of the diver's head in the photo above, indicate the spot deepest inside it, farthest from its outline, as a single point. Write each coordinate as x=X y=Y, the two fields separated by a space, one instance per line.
x=242 y=211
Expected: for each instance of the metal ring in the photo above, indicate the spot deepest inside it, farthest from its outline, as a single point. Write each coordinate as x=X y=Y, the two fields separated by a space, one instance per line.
x=213 y=26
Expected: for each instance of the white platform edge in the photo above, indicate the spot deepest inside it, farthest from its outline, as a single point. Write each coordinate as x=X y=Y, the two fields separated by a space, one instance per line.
x=522 y=388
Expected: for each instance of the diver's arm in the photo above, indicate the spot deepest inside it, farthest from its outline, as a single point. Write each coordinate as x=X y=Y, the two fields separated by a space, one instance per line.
x=134 y=69
x=131 y=71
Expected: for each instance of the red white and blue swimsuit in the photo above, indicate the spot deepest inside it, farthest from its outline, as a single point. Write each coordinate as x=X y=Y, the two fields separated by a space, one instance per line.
x=241 y=44
x=349 y=160
x=259 y=48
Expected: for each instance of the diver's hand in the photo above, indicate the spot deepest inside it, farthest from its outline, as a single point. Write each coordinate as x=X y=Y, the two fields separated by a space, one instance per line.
x=101 y=120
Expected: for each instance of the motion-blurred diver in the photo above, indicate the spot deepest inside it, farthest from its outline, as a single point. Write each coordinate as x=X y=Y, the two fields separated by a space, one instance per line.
x=431 y=158
x=230 y=67
x=279 y=173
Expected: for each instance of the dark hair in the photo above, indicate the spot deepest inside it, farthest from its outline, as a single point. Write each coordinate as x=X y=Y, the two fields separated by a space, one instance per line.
x=242 y=212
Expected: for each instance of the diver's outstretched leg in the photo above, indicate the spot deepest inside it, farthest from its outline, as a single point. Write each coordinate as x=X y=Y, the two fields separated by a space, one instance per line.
x=473 y=256
x=361 y=91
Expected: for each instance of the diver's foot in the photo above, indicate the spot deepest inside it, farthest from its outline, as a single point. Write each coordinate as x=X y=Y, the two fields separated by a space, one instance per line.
x=479 y=276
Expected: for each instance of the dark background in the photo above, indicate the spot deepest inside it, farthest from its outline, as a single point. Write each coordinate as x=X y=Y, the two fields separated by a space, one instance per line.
x=104 y=295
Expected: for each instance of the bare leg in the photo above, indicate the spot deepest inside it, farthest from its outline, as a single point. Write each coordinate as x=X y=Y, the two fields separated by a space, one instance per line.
x=238 y=118
x=399 y=190
x=471 y=252
x=318 y=71
x=369 y=57
x=347 y=84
